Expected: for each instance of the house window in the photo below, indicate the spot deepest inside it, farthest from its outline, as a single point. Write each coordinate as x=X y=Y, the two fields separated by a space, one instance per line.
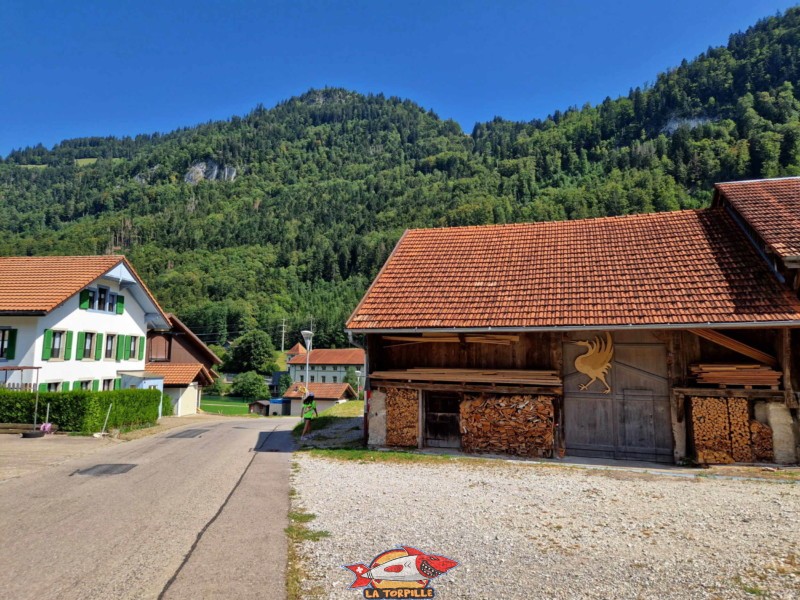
x=322 y=379
x=335 y=379
x=301 y=378
x=88 y=345
x=92 y=296
x=56 y=350
x=4 y=334
x=108 y=385
x=134 y=341
x=110 y=342
x=86 y=385
x=111 y=305
x=311 y=379
x=54 y=386
x=102 y=298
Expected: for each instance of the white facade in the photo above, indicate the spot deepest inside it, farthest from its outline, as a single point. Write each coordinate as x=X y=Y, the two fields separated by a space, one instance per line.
x=31 y=333
x=321 y=373
x=185 y=399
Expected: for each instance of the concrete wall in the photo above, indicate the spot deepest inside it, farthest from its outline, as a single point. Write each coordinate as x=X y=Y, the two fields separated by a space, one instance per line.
x=377 y=419
x=69 y=317
x=185 y=400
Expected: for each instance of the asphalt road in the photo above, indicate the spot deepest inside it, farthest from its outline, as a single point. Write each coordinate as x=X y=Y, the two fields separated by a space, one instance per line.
x=201 y=514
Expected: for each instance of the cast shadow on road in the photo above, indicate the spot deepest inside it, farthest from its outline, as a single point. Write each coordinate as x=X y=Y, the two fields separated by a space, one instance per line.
x=274 y=441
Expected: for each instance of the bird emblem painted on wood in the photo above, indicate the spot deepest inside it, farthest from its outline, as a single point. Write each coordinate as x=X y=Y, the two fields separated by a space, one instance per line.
x=596 y=363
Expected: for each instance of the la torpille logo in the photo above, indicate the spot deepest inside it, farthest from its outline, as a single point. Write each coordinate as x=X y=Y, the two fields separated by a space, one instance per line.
x=404 y=572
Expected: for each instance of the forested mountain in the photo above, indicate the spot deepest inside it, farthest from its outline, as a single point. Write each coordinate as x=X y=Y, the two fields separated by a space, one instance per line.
x=290 y=211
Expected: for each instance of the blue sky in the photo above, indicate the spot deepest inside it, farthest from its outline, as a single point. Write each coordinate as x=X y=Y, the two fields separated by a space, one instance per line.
x=80 y=68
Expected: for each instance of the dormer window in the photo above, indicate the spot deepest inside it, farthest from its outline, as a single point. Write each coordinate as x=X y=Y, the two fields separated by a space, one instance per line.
x=111 y=305
x=91 y=296
x=102 y=298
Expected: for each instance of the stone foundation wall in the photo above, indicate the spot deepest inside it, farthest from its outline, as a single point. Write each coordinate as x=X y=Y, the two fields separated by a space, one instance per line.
x=521 y=425
x=402 y=417
x=377 y=418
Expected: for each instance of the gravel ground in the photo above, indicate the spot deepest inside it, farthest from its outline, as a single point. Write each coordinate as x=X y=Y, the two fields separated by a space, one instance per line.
x=537 y=531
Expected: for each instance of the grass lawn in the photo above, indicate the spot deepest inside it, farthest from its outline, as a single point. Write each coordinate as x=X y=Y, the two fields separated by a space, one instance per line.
x=221 y=405
x=280 y=360
x=345 y=410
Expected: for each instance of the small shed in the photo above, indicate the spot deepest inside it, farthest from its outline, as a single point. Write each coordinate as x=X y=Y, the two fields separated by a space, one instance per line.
x=260 y=407
x=326 y=395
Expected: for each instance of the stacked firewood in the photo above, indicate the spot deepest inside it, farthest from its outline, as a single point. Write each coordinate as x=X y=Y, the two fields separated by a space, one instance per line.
x=762 y=442
x=402 y=417
x=711 y=428
x=736 y=375
x=724 y=433
x=739 y=416
x=521 y=425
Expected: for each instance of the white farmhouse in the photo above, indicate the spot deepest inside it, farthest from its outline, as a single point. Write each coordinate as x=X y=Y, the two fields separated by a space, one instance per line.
x=83 y=320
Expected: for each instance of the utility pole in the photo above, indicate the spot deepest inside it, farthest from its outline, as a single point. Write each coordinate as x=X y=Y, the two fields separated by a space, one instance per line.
x=283 y=336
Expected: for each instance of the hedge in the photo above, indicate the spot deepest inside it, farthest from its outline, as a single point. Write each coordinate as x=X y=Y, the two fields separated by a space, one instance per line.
x=83 y=410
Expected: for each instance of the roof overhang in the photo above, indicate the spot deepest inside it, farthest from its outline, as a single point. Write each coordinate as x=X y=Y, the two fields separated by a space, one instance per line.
x=740 y=325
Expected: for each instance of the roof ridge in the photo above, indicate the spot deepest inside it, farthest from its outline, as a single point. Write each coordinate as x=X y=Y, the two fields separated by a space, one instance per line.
x=632 y=216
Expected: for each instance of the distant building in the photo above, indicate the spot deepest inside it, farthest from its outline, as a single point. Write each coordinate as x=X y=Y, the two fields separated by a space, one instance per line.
x=325 y=365
x=325 y=394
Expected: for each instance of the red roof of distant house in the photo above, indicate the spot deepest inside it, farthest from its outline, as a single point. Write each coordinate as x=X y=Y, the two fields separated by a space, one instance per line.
x=181 y=373
x=772 y=208
x=322 y=391
x=298 y=348
x=684 y=268
x=323 y=356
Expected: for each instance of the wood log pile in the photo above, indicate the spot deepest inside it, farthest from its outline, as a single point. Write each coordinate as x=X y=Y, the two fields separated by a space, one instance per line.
x=723 y=432
x=736 y=375
x=762 y=442
x=402 y=417
x=522 y=425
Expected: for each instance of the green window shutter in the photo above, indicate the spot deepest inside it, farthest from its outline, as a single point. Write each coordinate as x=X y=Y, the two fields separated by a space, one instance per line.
x=68 y=347
x=84 y=303
x=142 y=344
x=120 y=347
x=120 y=304
x=96 y=385
x=42 y=387
x=98 y=346
x=81 y=343
x=48 y=344
x=12 y=344
x=117 y=383
x=65 y=386
x=127 y=340
x=76 y=385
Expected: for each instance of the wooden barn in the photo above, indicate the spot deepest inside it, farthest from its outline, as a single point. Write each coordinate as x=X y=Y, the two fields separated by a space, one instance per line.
x=655 y=337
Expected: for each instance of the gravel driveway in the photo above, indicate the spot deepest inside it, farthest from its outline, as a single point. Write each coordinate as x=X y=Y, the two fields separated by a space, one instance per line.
x=540 y=531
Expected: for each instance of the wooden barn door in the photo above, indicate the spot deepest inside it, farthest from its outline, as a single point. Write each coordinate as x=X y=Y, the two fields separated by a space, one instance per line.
x=442 y=420
x=633 y=420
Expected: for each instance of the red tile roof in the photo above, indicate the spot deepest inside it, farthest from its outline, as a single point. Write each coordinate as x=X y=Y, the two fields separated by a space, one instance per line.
x=181 y=373
x=298 y=348
x=322 y=391
x=344 y=356
x=772 y=208
x=40 y=283
x=684 y=268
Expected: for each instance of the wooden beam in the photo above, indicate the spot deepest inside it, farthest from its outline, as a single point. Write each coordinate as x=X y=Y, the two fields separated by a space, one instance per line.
x=739 y=347
x=767 y=395
x=468 y=387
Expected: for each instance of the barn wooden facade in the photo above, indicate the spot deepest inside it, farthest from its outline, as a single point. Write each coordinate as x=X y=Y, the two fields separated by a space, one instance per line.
x=652 y=337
